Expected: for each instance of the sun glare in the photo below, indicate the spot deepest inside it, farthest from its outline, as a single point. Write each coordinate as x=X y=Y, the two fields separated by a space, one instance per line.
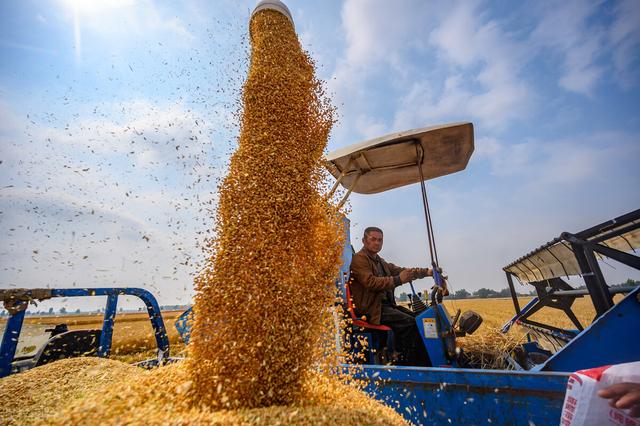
x=89 y=10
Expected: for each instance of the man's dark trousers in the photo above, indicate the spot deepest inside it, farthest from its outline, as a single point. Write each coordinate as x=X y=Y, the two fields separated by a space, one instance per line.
x=408 y=341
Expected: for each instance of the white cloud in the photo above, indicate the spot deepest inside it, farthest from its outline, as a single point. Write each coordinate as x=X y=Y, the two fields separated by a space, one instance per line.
x=624 y=36
x=478 y=50
x=368 y=127
x=544 y=164
x=431 y=62
x=486 y=147
x=564 y=27
x=379 y=32
x=120 y=21
x=482 y=52
x=591 y=51
x=378 y=37
x=22 y=46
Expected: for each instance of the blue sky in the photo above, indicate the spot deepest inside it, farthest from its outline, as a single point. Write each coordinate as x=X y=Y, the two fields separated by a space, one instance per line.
x=117 y=119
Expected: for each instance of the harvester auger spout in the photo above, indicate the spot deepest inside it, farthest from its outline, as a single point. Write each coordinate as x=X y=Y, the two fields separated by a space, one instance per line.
x=276 y=5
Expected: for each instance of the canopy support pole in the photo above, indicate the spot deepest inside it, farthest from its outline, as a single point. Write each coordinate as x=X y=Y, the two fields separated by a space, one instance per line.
x=427 y=215
x=342 y=175
x=353 y=185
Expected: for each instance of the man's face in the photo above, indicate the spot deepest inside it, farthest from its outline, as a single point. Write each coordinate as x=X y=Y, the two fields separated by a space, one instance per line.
x=372 y=242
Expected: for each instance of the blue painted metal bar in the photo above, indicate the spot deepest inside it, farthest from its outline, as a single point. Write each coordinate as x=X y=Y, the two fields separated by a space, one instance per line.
x=434 y=326
x=437 y=396
x=610 y=339
x=347 y=255
x=437 y=276
x=107 y=325
x=153 y=309
x=505 y=328
x=564 y=335
x=183 y=325
x=10 y=342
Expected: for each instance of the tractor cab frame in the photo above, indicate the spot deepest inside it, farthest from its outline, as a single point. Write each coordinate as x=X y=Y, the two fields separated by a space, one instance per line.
x=64 y=343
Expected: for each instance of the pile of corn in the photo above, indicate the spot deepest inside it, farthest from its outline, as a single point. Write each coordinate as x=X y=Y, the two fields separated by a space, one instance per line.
x=87 y=391
x=261 y=303
x=36 y=394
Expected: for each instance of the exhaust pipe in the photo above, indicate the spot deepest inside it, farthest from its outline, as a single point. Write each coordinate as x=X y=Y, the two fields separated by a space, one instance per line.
x=276 y=5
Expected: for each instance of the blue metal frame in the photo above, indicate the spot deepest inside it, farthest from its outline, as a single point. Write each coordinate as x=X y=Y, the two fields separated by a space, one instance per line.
x=183 y=325
x=438 y=336
x=10 y=342
x=556 y=293
x=347 y=255
x=610 y=339
x=507 y=326
x=107 y=326
x=14 y=324
x=437 y=396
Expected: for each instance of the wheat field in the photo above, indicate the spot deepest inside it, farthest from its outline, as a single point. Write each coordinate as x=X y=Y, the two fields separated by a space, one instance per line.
x=496 y=311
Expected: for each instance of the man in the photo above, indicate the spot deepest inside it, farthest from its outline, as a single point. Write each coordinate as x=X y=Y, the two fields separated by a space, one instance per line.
x=373 y=281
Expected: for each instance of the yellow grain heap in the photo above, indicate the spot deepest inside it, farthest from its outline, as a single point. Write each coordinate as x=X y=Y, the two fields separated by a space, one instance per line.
x=260 y=302
x=34 y=395
x=91 y=391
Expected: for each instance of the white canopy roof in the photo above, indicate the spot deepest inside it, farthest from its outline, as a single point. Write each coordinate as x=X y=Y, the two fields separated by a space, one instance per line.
x=556 y=258
x=391 y=161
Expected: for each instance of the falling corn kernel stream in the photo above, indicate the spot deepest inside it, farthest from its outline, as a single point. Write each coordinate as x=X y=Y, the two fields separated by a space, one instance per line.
x=260 y=302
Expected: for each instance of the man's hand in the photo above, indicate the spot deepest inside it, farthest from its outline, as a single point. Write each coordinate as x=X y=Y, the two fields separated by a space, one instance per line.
x=406 y=275
x=445 y=285
x=623 y=395
x=421 y=272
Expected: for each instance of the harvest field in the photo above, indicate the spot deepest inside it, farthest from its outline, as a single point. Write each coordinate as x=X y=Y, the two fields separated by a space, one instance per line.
x=495 y=312
x=133 y=336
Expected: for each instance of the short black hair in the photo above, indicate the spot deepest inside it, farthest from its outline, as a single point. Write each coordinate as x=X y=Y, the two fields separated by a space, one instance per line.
x=372 y=229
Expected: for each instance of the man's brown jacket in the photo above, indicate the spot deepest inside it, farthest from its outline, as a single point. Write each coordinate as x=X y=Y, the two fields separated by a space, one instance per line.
x=368 y=286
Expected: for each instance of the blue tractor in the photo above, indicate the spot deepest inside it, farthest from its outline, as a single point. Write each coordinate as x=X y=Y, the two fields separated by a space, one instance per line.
x=531 y=391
